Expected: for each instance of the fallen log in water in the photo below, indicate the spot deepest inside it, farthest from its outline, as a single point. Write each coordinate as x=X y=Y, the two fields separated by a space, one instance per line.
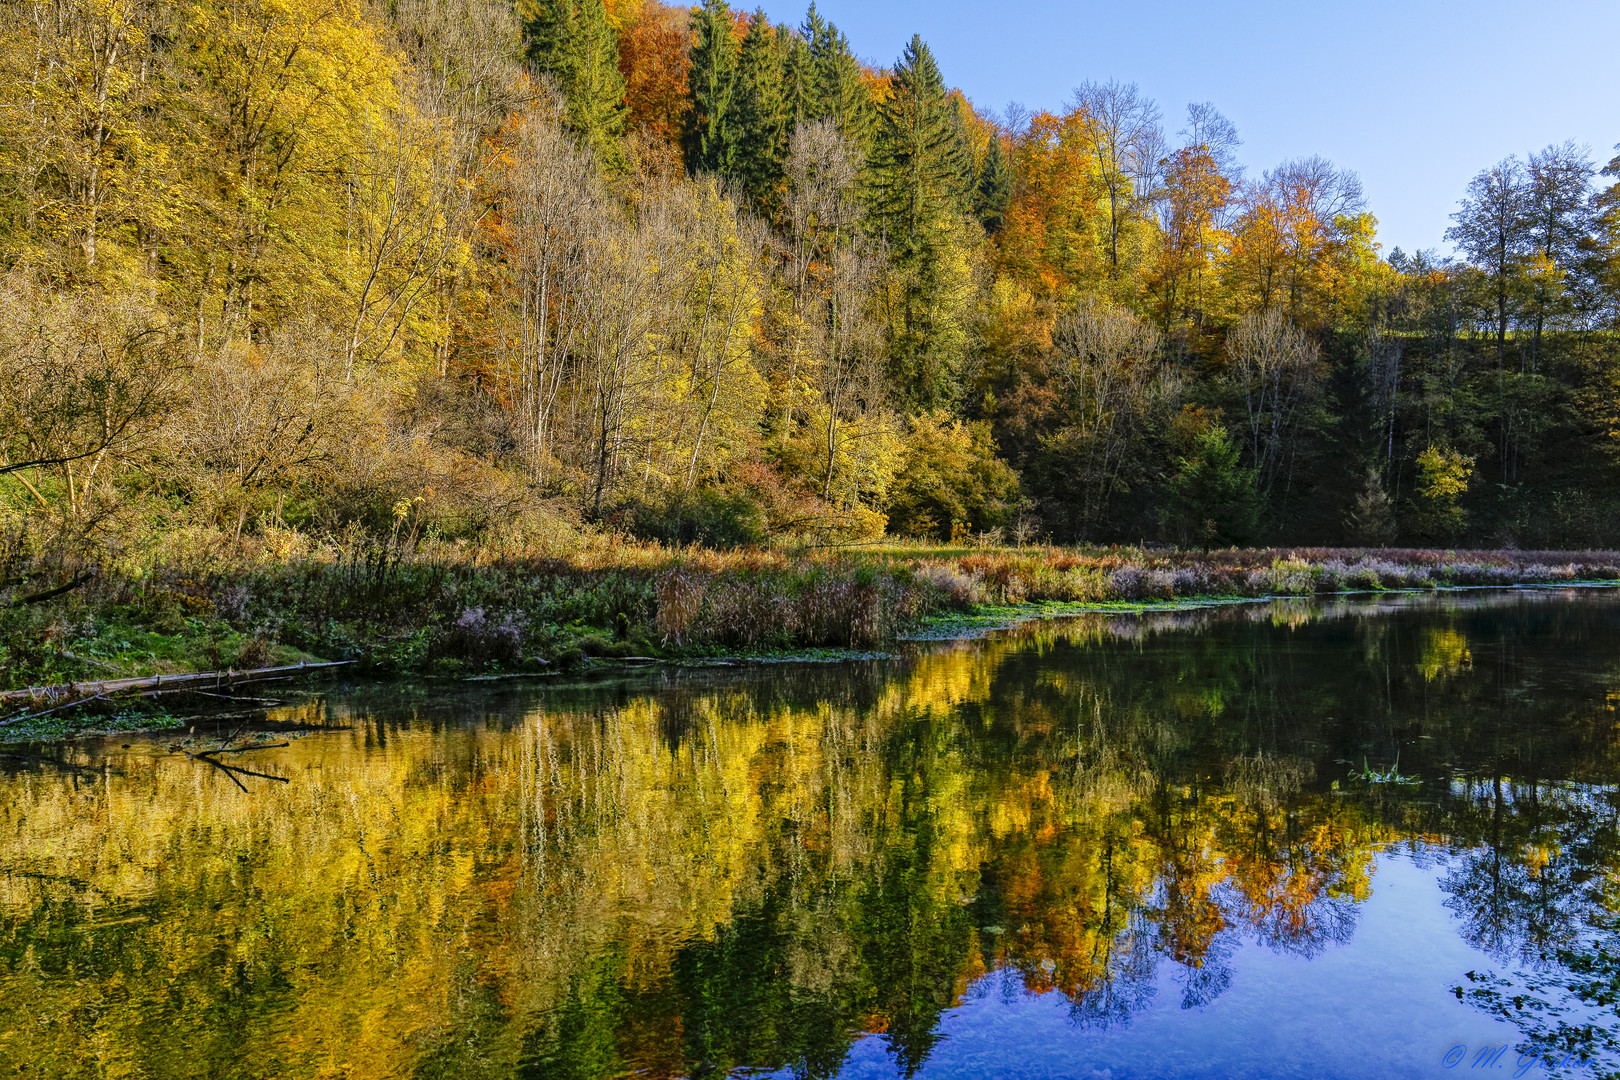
x=66 y=694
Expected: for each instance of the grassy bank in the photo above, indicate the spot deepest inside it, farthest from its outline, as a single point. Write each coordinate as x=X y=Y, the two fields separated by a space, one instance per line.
x=443 y=610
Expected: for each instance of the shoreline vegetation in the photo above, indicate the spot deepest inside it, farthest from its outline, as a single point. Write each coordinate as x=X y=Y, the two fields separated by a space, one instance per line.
x=441 y=611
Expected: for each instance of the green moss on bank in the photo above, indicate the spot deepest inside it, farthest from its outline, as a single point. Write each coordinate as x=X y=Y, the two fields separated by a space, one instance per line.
x=984 y=618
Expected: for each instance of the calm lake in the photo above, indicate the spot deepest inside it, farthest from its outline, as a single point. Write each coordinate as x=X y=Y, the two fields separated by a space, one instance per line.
x=1360 y=837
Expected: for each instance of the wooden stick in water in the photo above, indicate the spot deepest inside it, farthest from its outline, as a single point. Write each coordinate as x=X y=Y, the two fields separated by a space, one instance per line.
x=157 y=683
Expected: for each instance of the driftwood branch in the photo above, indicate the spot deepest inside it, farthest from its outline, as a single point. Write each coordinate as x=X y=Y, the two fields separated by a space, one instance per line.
x=232 y=770
x=61 y=696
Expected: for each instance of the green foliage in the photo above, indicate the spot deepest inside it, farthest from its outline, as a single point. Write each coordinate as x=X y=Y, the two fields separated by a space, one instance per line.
x=1213 y=497
x=712 y=124
x=951 y=477
x=1372 y=519
x=762 y=110
x=800 y=97
x=573 y=41
x=992 y=193
x=919 y=157
x=841 y=93
x=918 y=166
x=709 y=517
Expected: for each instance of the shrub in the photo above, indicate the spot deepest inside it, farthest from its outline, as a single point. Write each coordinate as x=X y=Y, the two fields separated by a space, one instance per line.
x=1292 y=576
x=481 y=637
x=950 y=475
x=709 y=517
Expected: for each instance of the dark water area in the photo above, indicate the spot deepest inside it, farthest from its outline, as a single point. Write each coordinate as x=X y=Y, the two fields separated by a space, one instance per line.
x=1371 y=836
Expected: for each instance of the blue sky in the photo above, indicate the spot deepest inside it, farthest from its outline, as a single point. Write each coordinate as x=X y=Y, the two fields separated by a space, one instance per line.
x=1416 y=97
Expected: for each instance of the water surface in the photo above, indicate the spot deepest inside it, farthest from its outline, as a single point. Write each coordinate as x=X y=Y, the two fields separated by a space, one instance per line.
x=1313 y=839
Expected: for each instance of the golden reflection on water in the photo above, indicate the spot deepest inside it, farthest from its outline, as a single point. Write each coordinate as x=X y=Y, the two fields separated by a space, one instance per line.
x=578 y=883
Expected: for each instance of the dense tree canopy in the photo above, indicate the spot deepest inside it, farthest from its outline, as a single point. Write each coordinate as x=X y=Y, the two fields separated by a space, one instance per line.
x=297 y=265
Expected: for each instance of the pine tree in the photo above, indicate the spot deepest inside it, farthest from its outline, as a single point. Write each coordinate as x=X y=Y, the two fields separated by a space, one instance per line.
x=918 y=195
x=841 y=92
x=992 y=194
x=798 y=78
x=813 y=32
x=1213 y=497
x=919 y=158
x=968 y=183
x=761 y=111
x=711 y=138
x=574 y=43
x=1371 y=520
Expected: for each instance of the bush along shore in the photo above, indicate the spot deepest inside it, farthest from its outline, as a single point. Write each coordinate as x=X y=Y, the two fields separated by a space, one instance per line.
x=442 y=610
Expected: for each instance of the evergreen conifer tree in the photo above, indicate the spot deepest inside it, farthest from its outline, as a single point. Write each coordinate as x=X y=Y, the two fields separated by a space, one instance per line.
x=711 y=137
x=841 y=92
x=918 y=195
x=813 y=32
x=574 y=43
x=1371 y=520
x=1213 y=497
x=761 y=111
x=798 y=78
x=919 y=159
x=959 y=112
x=992 y=194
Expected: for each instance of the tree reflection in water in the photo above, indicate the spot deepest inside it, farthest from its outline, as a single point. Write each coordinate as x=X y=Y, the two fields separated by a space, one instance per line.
x=702 y=873
x=1540 y=896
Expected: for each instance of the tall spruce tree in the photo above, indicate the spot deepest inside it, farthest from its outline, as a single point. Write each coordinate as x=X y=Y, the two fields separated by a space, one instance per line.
x=813 y=32
x=761 y=111
x=918 y=195
x=841 y=91
x=574 y=43
x=960 y=110
x=712 y=135
x=920 y=159
x=992 y=193
x=798 y=78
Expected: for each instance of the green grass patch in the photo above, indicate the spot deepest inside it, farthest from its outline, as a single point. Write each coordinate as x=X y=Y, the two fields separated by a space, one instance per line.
x=983 y=618
x=71 y=723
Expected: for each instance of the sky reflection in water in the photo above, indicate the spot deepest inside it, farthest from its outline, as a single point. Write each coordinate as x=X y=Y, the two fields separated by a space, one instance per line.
x=1114 y=846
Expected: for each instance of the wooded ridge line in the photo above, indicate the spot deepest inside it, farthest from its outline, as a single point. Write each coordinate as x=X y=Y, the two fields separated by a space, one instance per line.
x=695 y=276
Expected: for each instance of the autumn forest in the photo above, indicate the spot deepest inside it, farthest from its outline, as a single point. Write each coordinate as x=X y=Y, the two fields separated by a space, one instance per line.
x=689 y=275
x=714 y=382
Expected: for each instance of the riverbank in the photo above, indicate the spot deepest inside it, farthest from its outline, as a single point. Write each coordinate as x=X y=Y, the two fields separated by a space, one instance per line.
x=442 y=612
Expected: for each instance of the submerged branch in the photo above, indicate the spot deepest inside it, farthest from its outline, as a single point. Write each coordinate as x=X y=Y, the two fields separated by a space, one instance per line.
x=226 y=769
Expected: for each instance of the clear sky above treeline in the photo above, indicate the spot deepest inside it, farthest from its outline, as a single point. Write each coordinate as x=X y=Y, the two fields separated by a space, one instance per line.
x=1415 y=95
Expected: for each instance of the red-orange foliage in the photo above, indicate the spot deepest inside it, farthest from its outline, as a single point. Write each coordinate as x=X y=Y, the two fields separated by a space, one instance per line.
x=1051 y=240
x=654 y=55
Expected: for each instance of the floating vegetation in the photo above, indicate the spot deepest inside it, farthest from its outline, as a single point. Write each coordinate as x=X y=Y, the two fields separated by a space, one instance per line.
x=1392 y=775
